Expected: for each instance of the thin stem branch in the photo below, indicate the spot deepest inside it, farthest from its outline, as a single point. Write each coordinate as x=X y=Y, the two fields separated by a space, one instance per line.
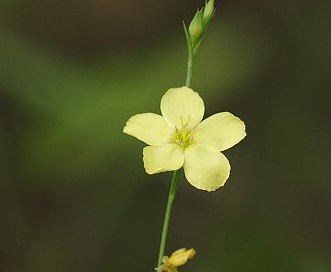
x=171 y=198
x=190 y=67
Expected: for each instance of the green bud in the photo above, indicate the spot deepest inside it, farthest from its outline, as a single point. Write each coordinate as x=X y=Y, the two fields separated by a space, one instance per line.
x=208 y=12
x=196 y=28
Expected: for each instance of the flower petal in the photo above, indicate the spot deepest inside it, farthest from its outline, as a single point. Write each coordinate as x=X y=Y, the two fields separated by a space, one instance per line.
x=220 y=131
x=150 y=128
x=205 y=168
x=182 y=106
x=163 y=158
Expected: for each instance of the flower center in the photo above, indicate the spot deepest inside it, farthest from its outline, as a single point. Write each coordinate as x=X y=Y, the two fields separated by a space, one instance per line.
x=183 y=135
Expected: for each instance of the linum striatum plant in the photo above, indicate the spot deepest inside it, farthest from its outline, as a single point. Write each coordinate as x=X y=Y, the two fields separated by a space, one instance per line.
x=179 y=140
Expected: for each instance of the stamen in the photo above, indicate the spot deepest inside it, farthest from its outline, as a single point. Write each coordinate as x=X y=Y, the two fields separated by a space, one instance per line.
x=188 y=121
x=181 y=121
x=183 y=134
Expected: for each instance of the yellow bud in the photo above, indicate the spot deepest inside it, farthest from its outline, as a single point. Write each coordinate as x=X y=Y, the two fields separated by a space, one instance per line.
x=177 y=258
x=181 y=256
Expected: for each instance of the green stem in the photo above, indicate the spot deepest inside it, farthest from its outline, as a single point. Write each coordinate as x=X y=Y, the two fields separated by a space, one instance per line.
x=190 y=67
x=171 y=198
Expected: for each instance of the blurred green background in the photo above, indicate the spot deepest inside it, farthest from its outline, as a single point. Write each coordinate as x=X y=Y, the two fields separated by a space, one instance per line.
x=73 y=192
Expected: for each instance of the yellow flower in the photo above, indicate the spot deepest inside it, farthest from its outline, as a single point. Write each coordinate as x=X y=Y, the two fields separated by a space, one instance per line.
x=178 y=258
x=178 y=138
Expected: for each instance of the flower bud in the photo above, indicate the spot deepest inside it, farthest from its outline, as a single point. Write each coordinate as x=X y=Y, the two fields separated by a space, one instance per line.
x=208 y=11
x=195 y=28
x=178 y=258
x=181 y=256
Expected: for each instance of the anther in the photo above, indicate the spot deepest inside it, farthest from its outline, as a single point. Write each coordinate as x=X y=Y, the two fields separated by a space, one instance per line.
x=179 y=142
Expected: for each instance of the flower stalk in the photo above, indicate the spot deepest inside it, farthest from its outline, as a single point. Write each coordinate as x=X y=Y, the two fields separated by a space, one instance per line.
x=171 y=198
